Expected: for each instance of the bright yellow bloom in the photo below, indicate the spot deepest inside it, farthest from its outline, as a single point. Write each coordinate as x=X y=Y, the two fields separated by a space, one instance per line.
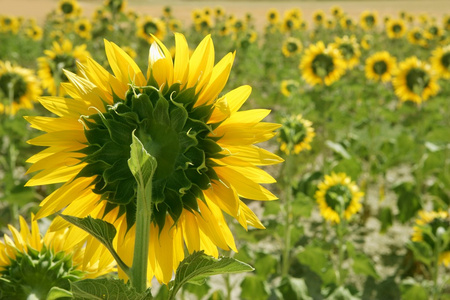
x=31 y=264
x=395 y=29
x=204 y=25
x=174 y=25
x=440 y=60
x=416 y=37
x=296 y=135
x=335 y=193
x=347 y=23
x=336 y=11
x=294 y=13
x=433 y=220
x=288 y=86
x=9 y=24
x=149 y=27
x=320 y=65
x=115 y=6
x=319 y=17
x=290 y=24
x=415 y=81
x=83 y=28
x=69 y=8
x=349 y=48
x=380 y=66
x=203 y=145
x=368 y=20
x=367 y=41
x=291 y=47
x=433 y=32
x=273 y=16
x=19 y=88
x=35 y=33
x=60 y=56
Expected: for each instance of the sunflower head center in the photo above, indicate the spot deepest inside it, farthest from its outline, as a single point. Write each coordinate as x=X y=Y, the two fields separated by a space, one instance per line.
x=433 y=30
x=64 y=61
x=338 y=196
x=67 y=8
x=445 y=60
x=347 y=50
x=380 y=67
x=397 y=28
x=319 y=17
x=417 y=80
x=292 y=47
x=322 y=65
x=82 y=27
x=150 y=28
x=36 y=272
x=13 y=84
x=417 y=35
x=370 y=20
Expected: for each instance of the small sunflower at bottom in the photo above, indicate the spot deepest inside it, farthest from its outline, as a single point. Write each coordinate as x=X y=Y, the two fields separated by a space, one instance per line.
x=428 y=226
x=32 y=265
x=320 y=65
x=19 y=88
x=296 y=135
x=380 y=66
x=338 y=196
x=440 y=60
x=288 y=86
x=291 y=47
x=415 y=81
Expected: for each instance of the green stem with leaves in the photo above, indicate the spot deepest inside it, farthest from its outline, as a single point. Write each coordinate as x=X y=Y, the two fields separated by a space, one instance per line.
x=287 y=208
x=341 y=228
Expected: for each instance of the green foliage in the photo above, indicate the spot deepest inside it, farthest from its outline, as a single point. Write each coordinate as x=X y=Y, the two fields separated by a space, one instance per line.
x=106 y=288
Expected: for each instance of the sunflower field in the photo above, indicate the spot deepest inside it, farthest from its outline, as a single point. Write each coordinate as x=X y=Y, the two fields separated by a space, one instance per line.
x=304 y=156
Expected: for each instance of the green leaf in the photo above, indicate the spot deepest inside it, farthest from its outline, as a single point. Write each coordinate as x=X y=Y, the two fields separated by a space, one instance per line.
x=385 y=217
x=412 y=290
x=253 y=287
x=294 y=288
x=103 y=231
x=318 y=260
x=363 y=265
x=197 y=266
x=96 y=289
x=56 y=293
x=142 y=165
x=341 y=293
x=408 y=201
x=338 y=148
x=422 y=251
x=265 y=265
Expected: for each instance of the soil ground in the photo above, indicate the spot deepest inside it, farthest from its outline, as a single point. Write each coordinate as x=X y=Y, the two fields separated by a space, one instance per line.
x=182 y=9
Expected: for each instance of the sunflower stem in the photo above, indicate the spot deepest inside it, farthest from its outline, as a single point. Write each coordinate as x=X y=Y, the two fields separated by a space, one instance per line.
x=287 y=205
x=435 y=267
x=341 y=251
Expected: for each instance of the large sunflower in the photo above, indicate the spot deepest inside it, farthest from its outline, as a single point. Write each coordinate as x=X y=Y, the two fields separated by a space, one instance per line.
x=61 y=56
x=32 y=265
x=291 y=47
x=320 y=65
x=395 y=29
x=380 y=66
x=203 y=145
x=432 y=220
x=415 y=81
x=335 y=193
x=440 y=60
x=296 y=135
x=349 y=48
x=148 y=28
x=19 y=88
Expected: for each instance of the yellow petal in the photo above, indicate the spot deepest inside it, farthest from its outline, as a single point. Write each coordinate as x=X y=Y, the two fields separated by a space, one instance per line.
x=201 y=63
x=181 y=64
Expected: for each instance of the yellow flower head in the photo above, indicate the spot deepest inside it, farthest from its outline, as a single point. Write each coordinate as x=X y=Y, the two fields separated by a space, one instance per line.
x=296 y=135
x=31 y=264
x=174 y=25
x=69 y=8
x=294 y=13
x=203 y=145
x=83 y=28
x=368 y=20
x=290 y=24
x=367 y=41
x=35 y=32
x=347 y=23
x=349 y=48
x=319 y=17
x=336 y=11
x=19 y=88
x=288 y=86
x=291 y=47
x=395 y=29
x=219 y=12
x=433 y=32
x=149 y=27
x=416 y=37
x=273 y=16
x=446 y=22
x=204 y=25
x=433 y=221
x=380 y=66
x=167 y=11
x=338 y=196
x=9 y=24
x=415 y=81
x=115 y=6
x=440 y=60
x=60 y=56
x=320 y=65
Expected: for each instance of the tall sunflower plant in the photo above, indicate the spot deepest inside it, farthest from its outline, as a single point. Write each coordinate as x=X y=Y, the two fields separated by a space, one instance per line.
x=149 y=162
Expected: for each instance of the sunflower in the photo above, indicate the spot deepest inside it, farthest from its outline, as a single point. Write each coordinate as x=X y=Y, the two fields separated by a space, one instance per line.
x=174 y=25
x=380 y=66
x=69 y=8
x=367 y=41
x=204 y=148
x=248 y=38
x=273 y=16
x=290 y=24
x=149 y=27
x=322 y=65
x=61 y=56
x=368 y=20
x=349 y=48
x=336 y=11
x=32 y=265
x=440 y=60
x=204 y=25
x=219 y=12
x=335 y=193
x=294 y=13
x=9 y=24
x=446 y=22
x=296 y=135
x=319 y=17
x=115 y=6
x=415 y=81
x=291 y=47
x=432 y=221
x=35 y=33
x=196 y=14
x=19 y=88
x=395 y=29
x=83 y=28
x=167 y=11
x=330 y=24
x=288 y=86
x=238 y=26
x=433 y=32
x=416 y=37
x=347 y=23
